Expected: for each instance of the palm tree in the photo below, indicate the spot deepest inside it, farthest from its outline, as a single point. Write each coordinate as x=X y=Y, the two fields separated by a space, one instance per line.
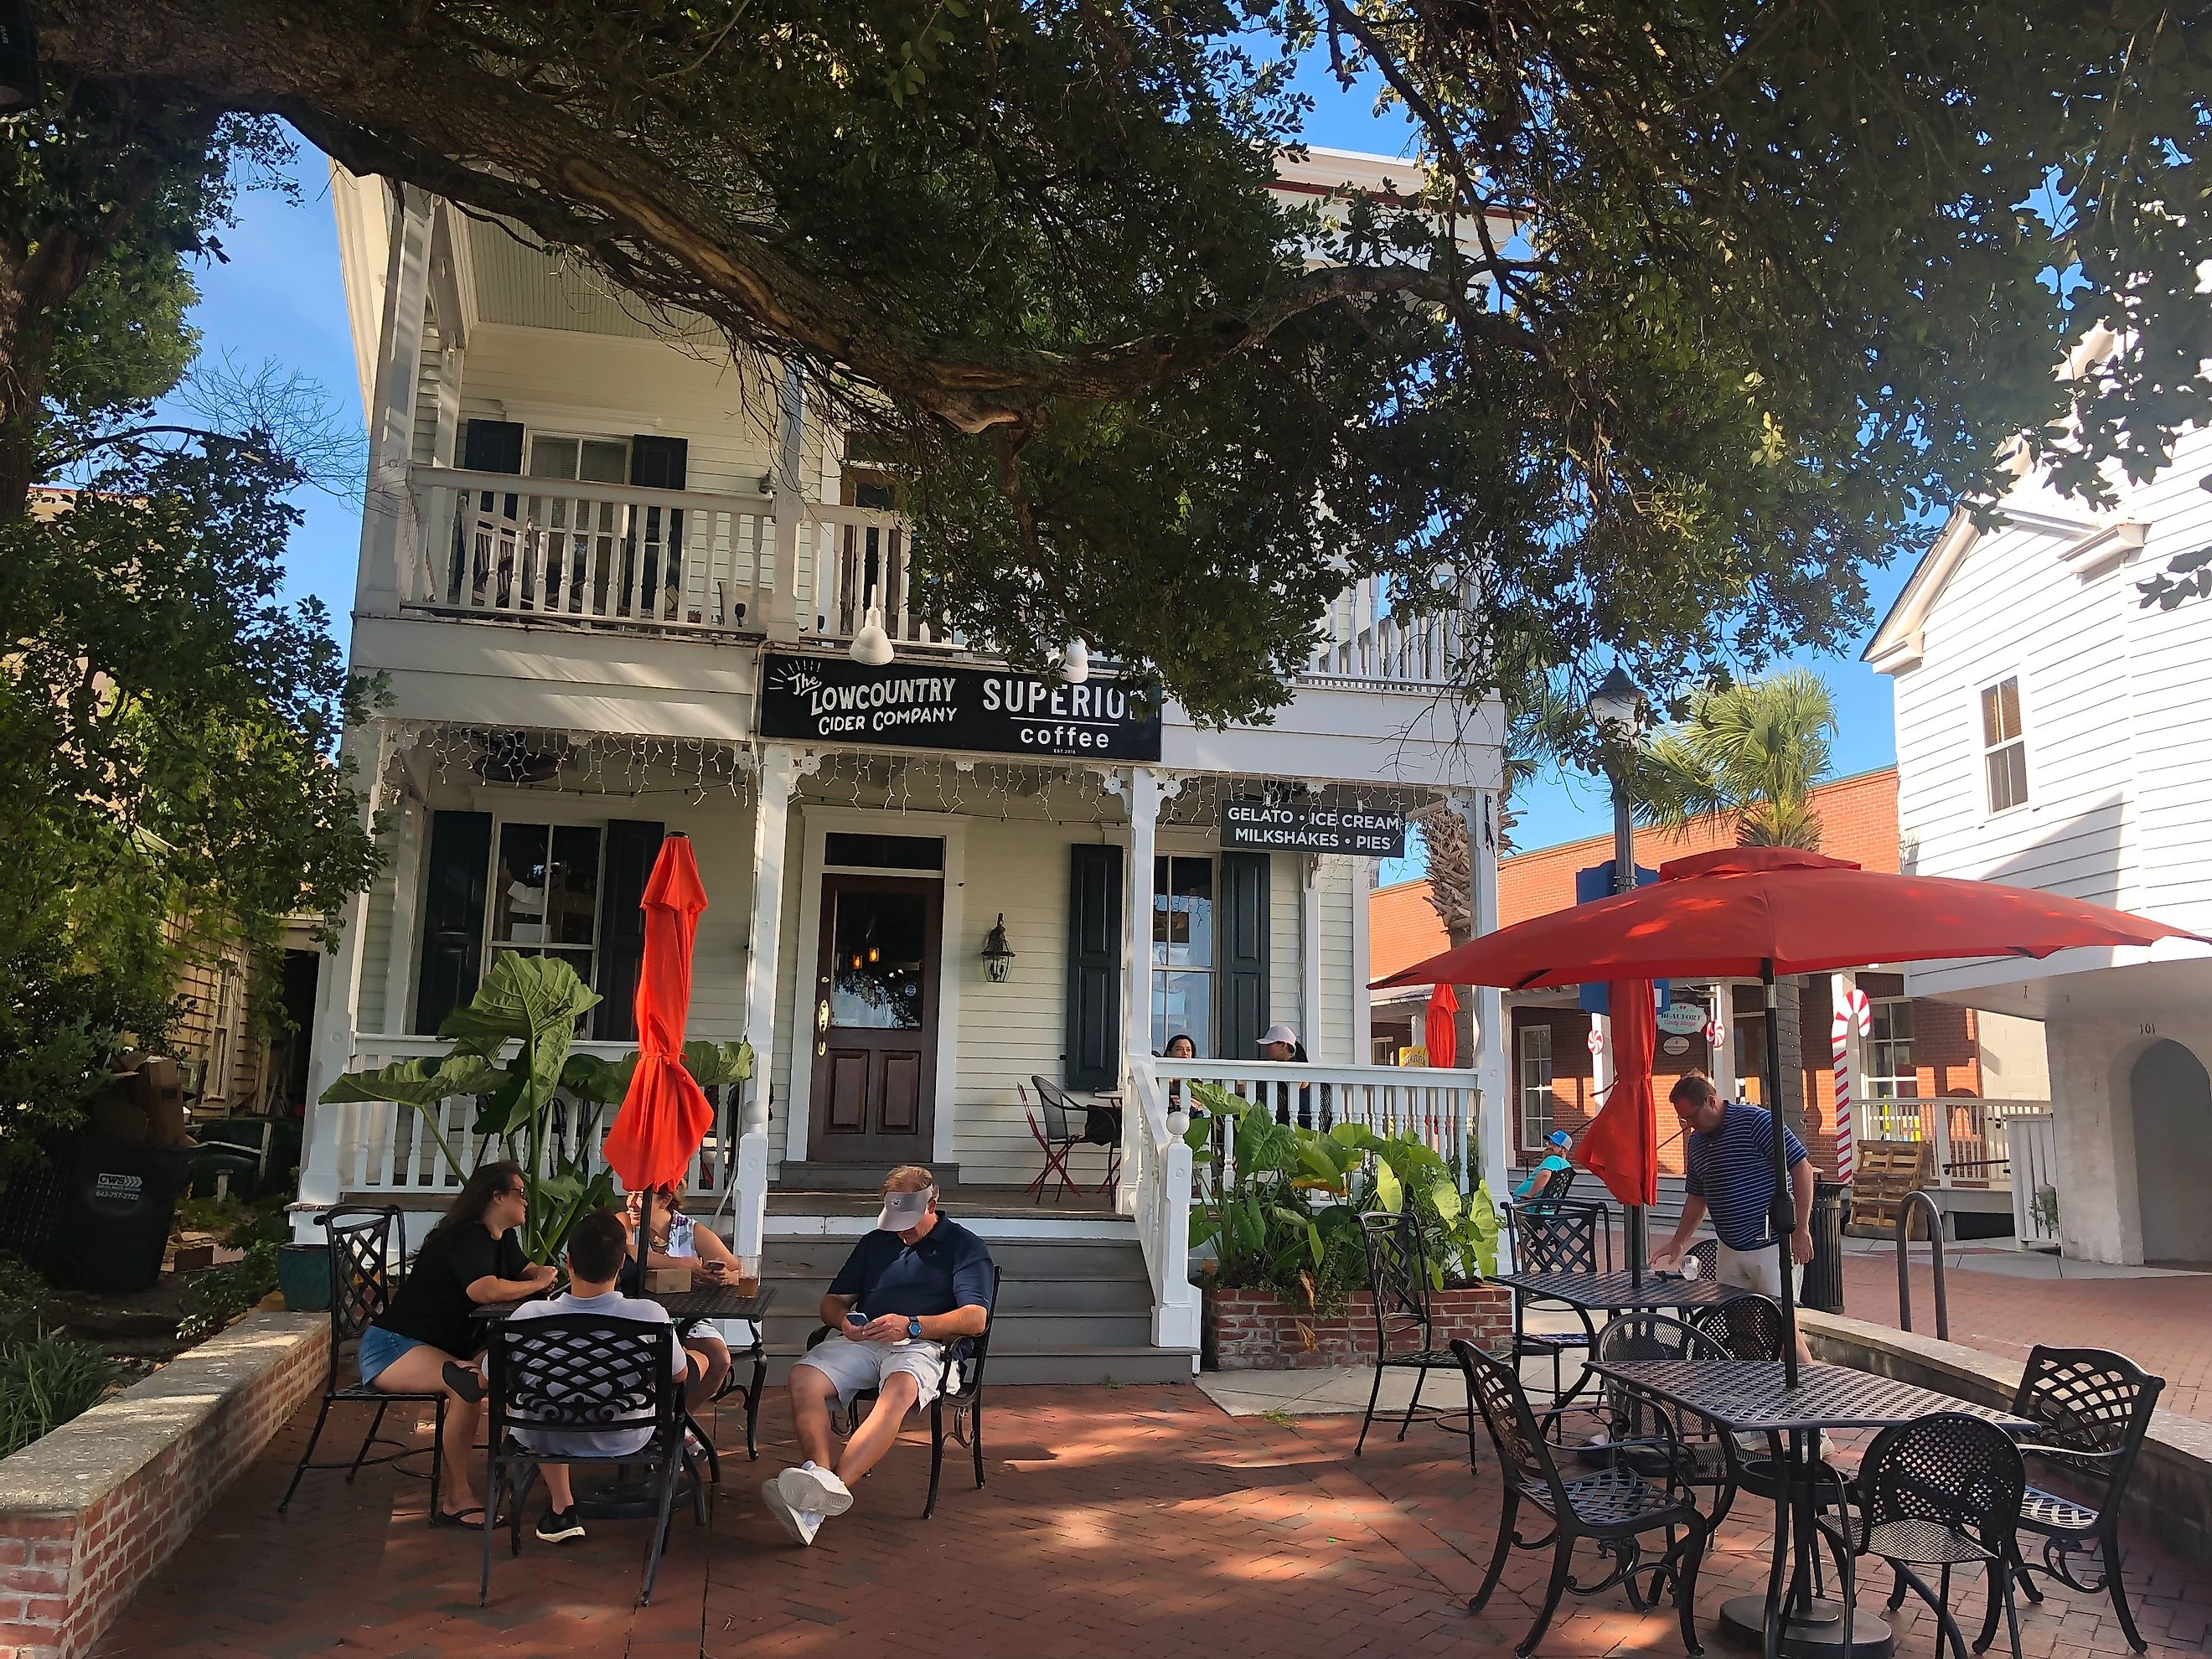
x=1753 y=751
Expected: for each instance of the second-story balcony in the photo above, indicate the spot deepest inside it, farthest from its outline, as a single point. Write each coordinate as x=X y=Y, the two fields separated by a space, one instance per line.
x=494 y=545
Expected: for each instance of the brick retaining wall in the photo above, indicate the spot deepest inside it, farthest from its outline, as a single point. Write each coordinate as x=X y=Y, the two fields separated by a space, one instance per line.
x=89 y=1512
x=1255 y=1330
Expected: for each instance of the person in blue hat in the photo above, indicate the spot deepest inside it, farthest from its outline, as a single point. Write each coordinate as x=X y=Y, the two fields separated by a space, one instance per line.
x=1545 y=1175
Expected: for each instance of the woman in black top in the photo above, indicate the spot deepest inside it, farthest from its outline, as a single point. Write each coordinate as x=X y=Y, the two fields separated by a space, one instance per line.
x=471 y=1257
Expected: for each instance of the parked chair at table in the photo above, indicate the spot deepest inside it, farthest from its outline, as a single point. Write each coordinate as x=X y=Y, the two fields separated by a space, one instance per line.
x=959 y=1400
x=1942 y=1492
x=569 y=1382
x=1706 y=1253
x=1613 y=1509
x=1405 y=1319
x=1058 y=1137
x=1704 y=1452
x=1566 y=1238
x=362 y=1286
x=2092 y=1408
x=1746 y=1327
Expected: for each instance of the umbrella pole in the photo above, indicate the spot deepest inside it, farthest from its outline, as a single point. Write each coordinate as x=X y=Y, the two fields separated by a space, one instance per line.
x=1773 y=1091
x=1639 y=1243
x=644 y=1242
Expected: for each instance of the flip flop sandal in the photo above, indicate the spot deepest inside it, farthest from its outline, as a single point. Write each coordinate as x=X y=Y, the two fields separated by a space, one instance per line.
x=459 y=1518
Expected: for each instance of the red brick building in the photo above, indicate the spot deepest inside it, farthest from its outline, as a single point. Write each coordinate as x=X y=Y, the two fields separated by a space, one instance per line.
x=1919 y=1048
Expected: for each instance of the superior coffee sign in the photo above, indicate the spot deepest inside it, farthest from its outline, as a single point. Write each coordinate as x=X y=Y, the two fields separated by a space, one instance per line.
x=1313 y=827
x=937 y=706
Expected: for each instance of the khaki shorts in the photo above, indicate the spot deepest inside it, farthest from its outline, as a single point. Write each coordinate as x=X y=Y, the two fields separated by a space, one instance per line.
x=856 y=1367
x=1757 y=1270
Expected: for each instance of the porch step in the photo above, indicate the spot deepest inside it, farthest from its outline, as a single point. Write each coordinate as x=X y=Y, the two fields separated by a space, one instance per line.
x=804 y=1176
x=1070 y=1309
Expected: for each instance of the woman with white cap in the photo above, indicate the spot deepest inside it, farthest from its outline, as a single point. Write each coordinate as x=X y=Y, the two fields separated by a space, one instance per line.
x=1280 y=1043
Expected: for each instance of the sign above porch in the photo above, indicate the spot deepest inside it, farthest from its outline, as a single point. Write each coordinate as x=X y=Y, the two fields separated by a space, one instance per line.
x=930 y=705
x=1313 y=827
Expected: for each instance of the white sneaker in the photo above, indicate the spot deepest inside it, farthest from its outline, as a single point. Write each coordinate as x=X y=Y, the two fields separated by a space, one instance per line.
x=816 y=1489
x=798 y=1525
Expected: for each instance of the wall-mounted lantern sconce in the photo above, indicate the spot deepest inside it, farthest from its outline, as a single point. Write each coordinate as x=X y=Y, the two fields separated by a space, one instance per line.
x=998 y=955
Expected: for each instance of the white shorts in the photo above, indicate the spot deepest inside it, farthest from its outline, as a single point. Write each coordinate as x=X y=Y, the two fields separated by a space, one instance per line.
x=856 y=1367
x=1757 y=1270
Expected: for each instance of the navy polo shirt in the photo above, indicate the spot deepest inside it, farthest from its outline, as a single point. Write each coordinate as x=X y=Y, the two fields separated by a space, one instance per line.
x=1733 y=1171
x=948 y=1268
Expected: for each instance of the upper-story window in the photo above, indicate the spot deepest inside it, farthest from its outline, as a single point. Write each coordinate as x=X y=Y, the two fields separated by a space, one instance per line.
x=1890 y=1071
x=586 y=460
x=545 y=892
x=2004 y=745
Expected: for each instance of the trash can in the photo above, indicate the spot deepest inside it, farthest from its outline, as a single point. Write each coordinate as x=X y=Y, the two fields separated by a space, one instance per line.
x=1824 y=1274
x=102 y=1210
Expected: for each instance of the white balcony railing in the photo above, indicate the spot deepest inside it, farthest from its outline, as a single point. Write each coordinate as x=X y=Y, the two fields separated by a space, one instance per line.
x=1972 y=1147
x=385 y=1151
x=1440 y=1107
x=553 y=551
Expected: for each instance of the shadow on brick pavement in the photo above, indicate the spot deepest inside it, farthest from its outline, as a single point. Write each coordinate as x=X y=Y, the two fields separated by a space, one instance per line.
x=1116 y=1520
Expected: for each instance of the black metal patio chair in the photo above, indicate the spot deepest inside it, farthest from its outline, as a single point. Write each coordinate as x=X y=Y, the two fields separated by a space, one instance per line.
x=1059 y=1135
x=569 y=1374
x=1571 y=1237
x=961 y=1394
x=1941 y=1491
x=2092 y=1408
x=1405 y=1319
x=1613 y=1509
x=362 y=1286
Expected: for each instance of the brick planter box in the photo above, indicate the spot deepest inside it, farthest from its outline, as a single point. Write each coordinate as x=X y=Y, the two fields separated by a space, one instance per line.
x=1256 y=1330
x=87 y=1513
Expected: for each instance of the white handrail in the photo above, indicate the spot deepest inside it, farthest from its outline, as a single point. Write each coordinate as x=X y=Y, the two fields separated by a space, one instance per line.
x=1161 y=1195
x=1439 y=1105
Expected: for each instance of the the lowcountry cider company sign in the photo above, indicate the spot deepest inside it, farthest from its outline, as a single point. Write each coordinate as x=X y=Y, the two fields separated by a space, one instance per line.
x=1313 y=827
x=937 y=706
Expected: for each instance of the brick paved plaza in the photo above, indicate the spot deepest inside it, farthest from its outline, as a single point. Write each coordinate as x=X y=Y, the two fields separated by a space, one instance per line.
x=1117 y=1522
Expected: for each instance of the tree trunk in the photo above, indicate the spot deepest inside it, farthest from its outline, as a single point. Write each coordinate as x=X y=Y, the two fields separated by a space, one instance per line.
x=1790 y=1031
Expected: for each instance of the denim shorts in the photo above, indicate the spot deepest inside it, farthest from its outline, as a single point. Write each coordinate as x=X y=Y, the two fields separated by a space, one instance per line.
x=379 y=1348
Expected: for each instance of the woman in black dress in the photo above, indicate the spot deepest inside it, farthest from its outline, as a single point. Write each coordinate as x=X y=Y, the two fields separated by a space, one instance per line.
x=418 y=1344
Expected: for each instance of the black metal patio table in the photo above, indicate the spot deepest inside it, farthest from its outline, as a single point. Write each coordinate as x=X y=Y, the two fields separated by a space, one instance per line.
x=1749 y=1397
x=1618 y=1291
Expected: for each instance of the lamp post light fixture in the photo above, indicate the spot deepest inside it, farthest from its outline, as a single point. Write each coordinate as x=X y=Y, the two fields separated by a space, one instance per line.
x=1075 y=662
x=1618 y=709
x=998 y=955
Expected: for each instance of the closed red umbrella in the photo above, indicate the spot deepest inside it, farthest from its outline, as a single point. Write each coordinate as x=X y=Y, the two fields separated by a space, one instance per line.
x=1437 y=1029
x=1621 y=1145
x=665 y=1114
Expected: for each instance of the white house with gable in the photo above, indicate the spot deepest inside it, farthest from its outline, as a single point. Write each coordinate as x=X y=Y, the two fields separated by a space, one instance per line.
x=615 y=578
x=2051 y=679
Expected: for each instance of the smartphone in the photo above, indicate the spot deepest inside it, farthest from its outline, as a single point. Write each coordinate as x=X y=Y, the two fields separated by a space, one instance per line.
x=856 y=1318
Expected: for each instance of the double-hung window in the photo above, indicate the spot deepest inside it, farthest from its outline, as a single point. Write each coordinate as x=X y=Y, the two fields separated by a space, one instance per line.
x=545 y=893
x=2004 y=746
x=1533 y=1044
x=1182 y=950
x=1890 y=1073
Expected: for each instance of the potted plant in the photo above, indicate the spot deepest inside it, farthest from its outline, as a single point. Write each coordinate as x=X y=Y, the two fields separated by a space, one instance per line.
x=532 y=1003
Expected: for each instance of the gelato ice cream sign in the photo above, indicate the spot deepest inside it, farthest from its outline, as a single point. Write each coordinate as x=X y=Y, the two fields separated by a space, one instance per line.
x=1313 y=827
x=937 y=706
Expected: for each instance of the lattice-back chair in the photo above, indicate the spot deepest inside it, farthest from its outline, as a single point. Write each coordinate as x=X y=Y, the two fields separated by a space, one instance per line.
x=1572 y=1237
x=2092 y=1408
x=1706 y=1253
x=961 y=1394
x=1942 y=1490
x=585 y=1373
x=1747 y=1326
x=1405 y=1318
x=362 y=1286
x=1612 y=1508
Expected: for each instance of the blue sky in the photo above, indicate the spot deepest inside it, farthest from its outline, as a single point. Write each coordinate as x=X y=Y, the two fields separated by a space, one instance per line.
x=280 y=297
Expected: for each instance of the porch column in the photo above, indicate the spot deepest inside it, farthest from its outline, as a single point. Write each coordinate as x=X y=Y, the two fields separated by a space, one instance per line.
x=337 y=996
x=1147 y=791
x=786 y=604
x=1492 y=1038
x=777 y=778
x=389 y=551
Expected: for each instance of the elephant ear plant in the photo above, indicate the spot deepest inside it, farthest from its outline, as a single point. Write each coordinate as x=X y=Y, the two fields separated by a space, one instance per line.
x=542 y=1102
x=1278 y=1206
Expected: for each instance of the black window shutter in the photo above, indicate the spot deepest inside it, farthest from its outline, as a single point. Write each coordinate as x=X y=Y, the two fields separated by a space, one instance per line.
x=658 y=463
x=1093 y=1059
x=492 y=446
x=486 y=446
x=631 y=847
x=451 y=961
x=1244 y=967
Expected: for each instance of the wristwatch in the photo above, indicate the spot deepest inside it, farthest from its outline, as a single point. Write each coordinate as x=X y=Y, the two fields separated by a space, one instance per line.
x=914 y=1325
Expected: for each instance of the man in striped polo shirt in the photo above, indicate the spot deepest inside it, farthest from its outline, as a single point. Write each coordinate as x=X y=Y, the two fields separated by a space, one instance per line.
x=1730 y=1158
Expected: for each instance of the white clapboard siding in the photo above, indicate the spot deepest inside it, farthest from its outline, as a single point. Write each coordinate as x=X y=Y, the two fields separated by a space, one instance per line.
x=1285 y=987
x=1334 y=887
x=376 y=948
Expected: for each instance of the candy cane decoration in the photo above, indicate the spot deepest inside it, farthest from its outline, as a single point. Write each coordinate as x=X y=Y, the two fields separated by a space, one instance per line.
x=1855 y=1008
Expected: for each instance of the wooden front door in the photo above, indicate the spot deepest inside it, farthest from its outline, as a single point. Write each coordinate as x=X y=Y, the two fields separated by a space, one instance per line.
x=875 y=1020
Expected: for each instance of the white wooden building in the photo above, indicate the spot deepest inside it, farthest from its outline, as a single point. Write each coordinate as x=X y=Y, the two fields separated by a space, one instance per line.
x=2051 y=732
x=612 y=577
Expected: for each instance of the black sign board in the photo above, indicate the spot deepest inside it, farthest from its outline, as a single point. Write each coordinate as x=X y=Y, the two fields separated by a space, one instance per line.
x=1313 y=827
x=926 y=705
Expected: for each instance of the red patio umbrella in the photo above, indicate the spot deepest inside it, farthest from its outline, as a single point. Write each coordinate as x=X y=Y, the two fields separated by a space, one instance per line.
x=1768 y=910
x=665 y=1114
x=1621 y=1145
x=1438 y=1030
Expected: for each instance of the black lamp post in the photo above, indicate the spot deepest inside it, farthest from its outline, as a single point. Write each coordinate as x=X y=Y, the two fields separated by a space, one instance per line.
x=998 y=955
x=1618 y=709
